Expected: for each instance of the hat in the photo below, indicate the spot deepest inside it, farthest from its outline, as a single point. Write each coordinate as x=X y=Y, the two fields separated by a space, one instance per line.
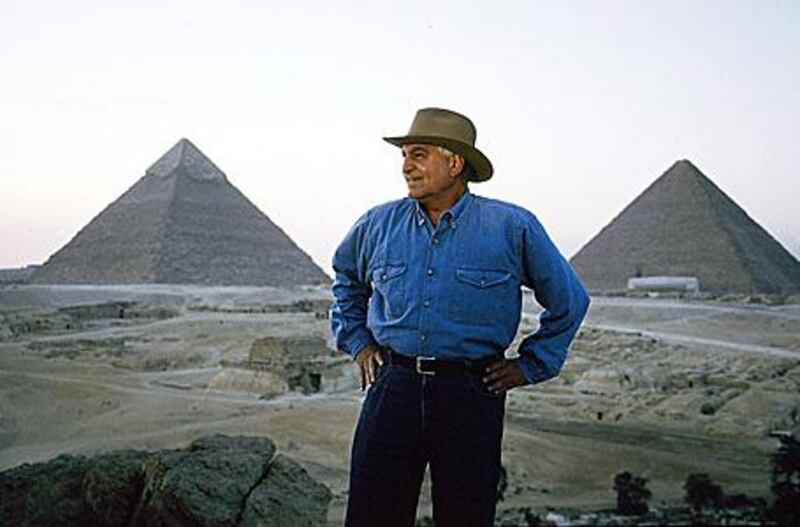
x=448 y=129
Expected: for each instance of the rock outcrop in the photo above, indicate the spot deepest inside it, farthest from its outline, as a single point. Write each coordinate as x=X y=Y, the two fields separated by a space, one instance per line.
x=217 y=481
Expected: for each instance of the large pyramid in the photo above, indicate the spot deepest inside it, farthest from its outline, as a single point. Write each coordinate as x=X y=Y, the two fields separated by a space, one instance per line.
x=684 y=225
x=182 y=223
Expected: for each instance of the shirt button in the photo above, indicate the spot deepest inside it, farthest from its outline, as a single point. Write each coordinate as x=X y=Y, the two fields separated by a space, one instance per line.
x=430 y=271
x=422 y=337
x=383 y=277
x=426 y=303
x=436 y=240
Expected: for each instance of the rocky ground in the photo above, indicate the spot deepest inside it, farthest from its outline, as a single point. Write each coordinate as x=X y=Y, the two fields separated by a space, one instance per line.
x=659 y=387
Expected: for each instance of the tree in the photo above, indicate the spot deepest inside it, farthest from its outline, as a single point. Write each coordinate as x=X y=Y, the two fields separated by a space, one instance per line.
x=632 y=494
x=786 y=482
x=702 y=493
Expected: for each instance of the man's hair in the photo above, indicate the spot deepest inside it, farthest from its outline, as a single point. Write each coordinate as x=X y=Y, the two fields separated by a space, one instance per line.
x=467 y=172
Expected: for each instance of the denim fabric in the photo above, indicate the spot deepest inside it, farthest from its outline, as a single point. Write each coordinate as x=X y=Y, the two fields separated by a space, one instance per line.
x=409 y=420
x=453 y=291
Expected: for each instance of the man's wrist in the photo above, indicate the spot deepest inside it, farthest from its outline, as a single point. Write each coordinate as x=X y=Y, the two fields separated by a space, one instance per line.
x=528 y=369
x=364 y=348
x=358 y=343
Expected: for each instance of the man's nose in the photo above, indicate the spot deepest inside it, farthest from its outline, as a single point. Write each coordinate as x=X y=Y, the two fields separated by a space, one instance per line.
x=407 y=165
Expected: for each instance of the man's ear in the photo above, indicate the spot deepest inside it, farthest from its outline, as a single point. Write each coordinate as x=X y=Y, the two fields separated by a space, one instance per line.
x=456 y=165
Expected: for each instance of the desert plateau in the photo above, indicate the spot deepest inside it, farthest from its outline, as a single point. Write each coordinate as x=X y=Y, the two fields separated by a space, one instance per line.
x=661 y=387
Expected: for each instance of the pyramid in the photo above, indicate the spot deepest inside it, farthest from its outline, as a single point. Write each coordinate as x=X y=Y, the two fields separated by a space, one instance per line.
x=183 y=222
x=684 y=225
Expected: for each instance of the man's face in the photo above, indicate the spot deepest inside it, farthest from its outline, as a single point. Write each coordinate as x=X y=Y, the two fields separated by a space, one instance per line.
x=427 y=171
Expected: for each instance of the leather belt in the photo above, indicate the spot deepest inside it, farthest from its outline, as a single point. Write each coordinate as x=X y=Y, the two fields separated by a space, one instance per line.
x=432 y=366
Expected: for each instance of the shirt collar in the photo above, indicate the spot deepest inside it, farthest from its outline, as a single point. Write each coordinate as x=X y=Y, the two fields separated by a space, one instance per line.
x=451 y=215
x=457 y=211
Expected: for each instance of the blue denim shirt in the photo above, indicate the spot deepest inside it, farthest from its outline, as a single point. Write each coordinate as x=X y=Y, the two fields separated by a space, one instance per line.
x=453 y=291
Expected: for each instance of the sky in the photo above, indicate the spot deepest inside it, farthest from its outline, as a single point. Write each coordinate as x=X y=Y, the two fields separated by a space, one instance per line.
x=580 y=105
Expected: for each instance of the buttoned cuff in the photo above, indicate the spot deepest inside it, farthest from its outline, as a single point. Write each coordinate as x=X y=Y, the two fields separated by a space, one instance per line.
x=357 y=344
x=531 y=369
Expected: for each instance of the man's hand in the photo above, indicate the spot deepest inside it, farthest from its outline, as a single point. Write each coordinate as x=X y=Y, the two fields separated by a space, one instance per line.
x=368 y=361
x=504 y=375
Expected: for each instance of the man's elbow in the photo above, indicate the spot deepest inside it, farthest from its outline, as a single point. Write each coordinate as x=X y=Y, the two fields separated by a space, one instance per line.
x=581 y=301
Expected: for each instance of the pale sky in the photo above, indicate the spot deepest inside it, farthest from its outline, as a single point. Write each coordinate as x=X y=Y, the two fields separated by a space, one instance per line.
x=580 y=105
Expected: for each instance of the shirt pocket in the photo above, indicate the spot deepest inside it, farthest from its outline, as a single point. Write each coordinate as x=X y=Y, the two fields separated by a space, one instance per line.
x=481 y=296
x=388 y=290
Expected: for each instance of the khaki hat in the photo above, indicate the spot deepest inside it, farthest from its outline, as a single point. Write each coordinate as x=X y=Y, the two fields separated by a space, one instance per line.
x=448 y=129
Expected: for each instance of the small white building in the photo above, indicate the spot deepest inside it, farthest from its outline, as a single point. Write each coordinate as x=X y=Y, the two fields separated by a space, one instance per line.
x=688 y=284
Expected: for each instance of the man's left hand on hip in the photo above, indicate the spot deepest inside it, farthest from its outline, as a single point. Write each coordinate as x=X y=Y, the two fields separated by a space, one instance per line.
x=504 y=375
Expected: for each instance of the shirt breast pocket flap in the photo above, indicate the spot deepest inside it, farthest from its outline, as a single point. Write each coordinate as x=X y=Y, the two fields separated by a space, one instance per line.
x=389 y=289
x=482 y=278
x=384 y=273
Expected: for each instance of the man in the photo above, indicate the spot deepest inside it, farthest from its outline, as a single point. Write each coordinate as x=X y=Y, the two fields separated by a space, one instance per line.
x=427 y=299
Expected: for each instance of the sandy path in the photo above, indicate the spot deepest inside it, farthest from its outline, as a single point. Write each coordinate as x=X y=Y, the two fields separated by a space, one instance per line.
x=686 y=312
x=700 y=341
x=789 y=311
x=154 y=388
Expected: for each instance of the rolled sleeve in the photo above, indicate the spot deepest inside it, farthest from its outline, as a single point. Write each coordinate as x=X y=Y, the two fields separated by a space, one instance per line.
x=560 y=292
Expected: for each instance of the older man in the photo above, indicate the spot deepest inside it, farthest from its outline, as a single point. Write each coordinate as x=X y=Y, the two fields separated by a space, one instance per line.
x=427 y=299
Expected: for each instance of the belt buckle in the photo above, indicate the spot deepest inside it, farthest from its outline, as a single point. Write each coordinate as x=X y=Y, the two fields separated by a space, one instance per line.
x=420 y=361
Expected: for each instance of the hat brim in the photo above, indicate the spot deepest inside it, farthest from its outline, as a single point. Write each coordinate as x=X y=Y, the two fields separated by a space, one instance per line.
x=481 y=164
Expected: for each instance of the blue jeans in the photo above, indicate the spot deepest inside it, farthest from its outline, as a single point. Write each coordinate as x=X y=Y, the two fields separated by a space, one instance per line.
x=409 y=420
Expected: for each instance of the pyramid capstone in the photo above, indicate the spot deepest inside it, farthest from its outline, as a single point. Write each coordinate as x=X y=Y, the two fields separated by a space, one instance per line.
x=188 y=157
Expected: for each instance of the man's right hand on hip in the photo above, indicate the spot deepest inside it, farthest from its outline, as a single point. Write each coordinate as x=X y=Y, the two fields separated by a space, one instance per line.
x=369 y=360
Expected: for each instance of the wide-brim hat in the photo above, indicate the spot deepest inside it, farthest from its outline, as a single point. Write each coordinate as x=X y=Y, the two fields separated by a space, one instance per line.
x=451 y=130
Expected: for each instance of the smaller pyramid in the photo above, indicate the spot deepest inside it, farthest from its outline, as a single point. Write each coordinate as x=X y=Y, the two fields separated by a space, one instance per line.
x=684 y=225
x=183 y=222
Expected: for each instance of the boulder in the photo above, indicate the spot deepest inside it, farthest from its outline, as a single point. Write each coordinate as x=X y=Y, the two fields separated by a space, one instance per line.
x=112 y=486
x=206 y=484
x=216 y=481
x=45 y=494
x=287 y=497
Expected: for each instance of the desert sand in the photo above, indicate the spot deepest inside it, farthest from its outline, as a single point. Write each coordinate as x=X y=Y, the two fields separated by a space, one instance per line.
x=659 y=387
